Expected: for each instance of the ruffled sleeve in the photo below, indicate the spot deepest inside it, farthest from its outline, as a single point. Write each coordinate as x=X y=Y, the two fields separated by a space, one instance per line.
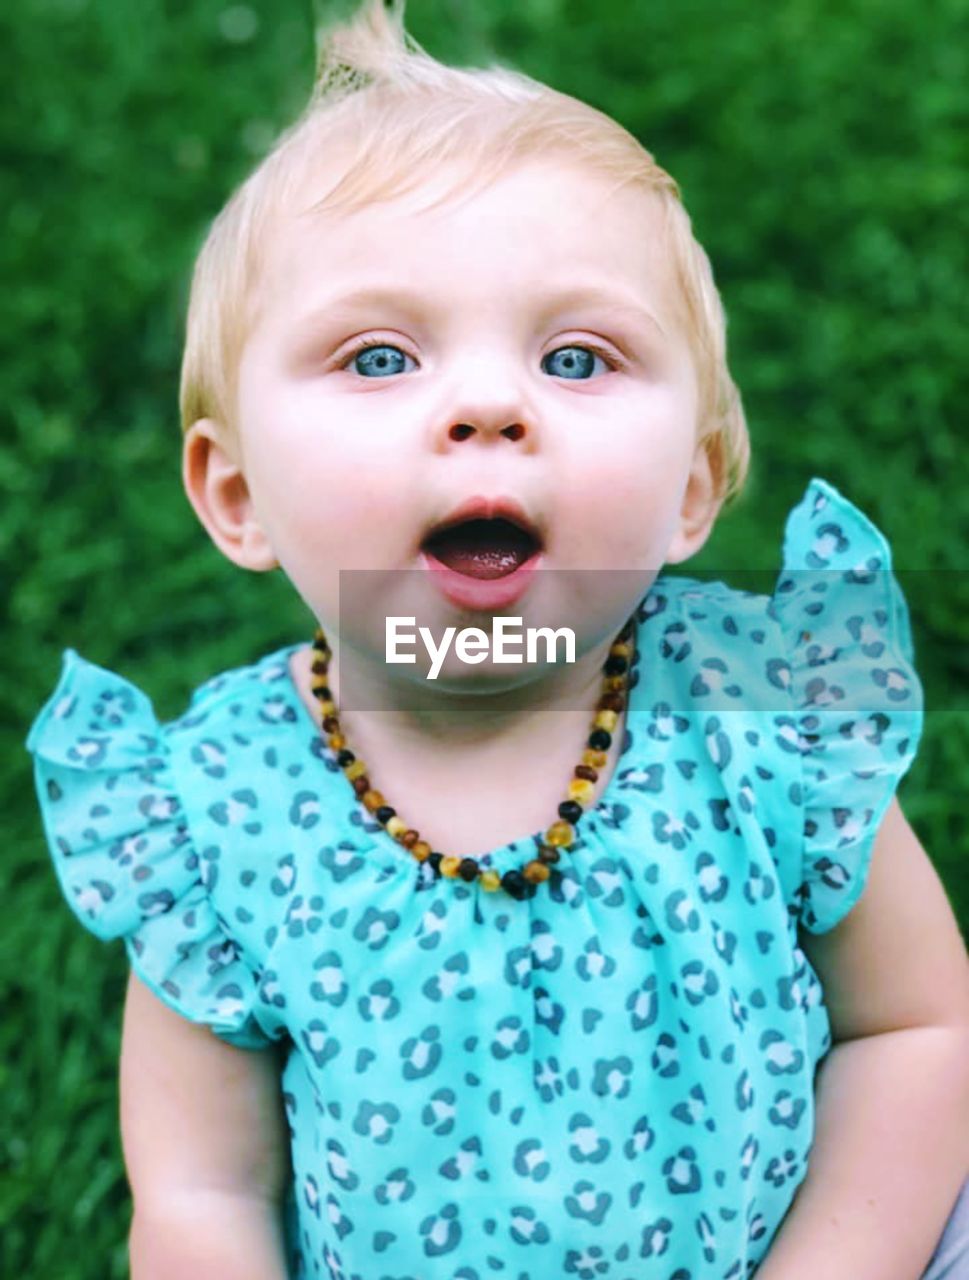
x=123 y=851
x=857 y=700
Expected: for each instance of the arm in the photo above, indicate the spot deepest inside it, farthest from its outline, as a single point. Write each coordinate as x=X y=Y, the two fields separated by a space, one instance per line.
x=892 y=1139
x=205 y=1144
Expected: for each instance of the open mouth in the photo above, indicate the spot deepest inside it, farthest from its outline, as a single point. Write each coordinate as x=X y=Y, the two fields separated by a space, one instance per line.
x=482 y=548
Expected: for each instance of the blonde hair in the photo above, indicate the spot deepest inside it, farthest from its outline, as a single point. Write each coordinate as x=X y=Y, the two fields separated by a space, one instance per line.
x=393 y=118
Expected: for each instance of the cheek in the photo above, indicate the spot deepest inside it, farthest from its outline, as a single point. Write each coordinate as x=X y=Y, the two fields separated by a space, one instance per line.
x=324 y=511
x=622 y=503
x=314 y=471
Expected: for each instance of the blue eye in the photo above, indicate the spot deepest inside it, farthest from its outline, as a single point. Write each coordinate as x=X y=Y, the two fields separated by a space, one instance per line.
x=378 y=359
x=573 y=362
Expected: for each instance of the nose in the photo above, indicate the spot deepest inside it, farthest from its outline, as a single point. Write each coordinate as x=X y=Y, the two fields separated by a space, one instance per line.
x=487 y=399
x=462 y=430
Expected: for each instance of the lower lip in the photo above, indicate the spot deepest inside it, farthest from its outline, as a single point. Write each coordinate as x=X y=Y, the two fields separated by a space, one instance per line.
x=481 y=593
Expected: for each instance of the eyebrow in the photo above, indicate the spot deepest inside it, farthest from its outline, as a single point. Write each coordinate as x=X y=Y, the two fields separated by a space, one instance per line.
x=595 y=296
x=407 y=301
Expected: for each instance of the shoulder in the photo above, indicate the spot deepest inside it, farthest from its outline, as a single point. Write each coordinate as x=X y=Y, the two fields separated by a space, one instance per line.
x=240 y=747
x=832 y=609
x=97 y=724
x=804 y=696
x=263 y=689
x=712 y=647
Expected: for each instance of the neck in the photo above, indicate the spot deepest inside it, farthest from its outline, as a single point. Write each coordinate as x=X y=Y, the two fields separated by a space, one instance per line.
x=438 y=716
x=469 y=770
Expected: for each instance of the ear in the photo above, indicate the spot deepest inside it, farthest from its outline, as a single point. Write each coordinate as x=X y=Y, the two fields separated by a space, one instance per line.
x=217 y=488
x=699 y=509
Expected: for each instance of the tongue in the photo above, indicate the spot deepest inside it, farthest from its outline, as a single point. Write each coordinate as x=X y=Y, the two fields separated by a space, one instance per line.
x=482 y=548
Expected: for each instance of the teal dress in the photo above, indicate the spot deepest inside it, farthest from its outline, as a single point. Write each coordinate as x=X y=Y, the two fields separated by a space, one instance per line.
x=612 y=1078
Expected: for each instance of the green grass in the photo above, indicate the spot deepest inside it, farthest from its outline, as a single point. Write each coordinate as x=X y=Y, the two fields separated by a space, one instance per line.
x=820 y=147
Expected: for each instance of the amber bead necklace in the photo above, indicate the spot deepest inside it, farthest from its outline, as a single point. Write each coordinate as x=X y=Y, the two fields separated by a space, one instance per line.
x=559 y=837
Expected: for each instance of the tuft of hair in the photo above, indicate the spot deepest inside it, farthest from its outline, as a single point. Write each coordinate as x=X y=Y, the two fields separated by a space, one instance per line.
x=385 y=118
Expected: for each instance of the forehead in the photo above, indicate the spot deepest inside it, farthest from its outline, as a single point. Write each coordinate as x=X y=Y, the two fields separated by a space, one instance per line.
x=473 y=242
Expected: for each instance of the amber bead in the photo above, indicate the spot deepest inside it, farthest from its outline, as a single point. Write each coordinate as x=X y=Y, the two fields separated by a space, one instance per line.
x=581 y=790
x=337 y=742
x=614 y=684
x=490 y=881
x=409 y=838
x=421 y=850
x=449 y=866
x=361 y=784
x=548 y=853
x=570 y=811
x=611 y=702
x=586 y=771
x=373 y=800
x=597 y=759
x=621 y=649
x=468 y=869
x=395 y=827
x=331 y=724
x=606 y=720
x=560 y=833
x=535 y=871
x=357 y=769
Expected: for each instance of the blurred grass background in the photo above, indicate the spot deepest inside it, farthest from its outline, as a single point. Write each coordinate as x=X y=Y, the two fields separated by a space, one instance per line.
x=821 y=146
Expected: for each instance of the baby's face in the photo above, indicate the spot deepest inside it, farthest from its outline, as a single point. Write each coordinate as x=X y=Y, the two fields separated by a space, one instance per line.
x=521 y=345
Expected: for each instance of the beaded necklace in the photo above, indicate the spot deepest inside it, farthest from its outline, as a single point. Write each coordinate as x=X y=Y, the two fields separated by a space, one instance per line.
x=559 y=837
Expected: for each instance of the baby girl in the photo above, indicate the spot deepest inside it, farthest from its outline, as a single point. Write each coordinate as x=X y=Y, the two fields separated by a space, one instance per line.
x=711 y=1018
